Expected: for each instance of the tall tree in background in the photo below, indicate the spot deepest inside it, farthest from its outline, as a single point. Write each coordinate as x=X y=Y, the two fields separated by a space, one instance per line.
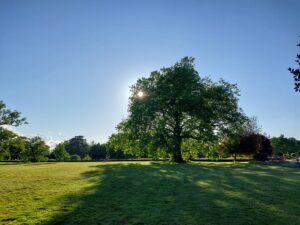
x=98 y=151
x=10 y=117
x=175 y=104
x=296 y=73
x=77 y=146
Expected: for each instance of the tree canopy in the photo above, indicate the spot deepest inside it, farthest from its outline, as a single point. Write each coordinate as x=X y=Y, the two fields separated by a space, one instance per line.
x=284 y=144
x=10 y=117
x=77 y=145
x=37 y=149
x=175 y=104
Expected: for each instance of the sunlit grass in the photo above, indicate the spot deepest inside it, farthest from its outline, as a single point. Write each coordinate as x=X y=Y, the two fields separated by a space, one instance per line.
x=148 y=193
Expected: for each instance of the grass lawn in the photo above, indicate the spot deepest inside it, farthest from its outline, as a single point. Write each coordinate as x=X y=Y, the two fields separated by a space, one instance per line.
x=149 y=193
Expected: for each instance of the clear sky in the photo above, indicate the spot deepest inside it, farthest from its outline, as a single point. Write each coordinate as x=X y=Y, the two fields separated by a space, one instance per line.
x=67 y=65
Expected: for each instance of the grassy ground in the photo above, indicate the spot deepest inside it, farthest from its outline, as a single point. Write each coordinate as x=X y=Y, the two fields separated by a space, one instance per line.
x=149 y=193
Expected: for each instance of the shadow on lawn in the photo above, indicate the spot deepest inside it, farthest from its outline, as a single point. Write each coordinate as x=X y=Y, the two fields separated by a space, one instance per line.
x=165 y=193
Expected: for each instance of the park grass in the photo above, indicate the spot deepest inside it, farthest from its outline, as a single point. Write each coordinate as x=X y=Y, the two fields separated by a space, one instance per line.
x=149 y=193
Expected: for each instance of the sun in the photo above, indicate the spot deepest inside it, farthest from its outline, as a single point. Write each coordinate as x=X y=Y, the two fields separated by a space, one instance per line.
x=140 y=94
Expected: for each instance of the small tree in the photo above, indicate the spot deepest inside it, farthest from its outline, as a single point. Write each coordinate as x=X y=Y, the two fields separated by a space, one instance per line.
x=37 y=150
x=87 y=158
x=75 y=157
x=60 y=153
x=257 y=145
x=230 y=142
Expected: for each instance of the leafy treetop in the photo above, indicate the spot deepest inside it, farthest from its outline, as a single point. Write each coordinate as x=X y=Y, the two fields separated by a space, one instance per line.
x=10 y=117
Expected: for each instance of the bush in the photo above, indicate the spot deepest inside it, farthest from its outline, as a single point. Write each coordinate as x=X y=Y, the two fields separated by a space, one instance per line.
x=75 y=158
x=87 y=158
x=256 y=144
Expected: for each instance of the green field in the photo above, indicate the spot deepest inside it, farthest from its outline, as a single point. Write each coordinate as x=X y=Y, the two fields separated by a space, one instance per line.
x=149 y=193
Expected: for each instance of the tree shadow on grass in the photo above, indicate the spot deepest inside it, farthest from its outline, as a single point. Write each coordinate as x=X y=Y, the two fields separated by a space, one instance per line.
x=192 y=193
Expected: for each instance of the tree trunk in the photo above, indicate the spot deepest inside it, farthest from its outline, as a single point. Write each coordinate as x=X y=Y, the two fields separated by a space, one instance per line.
x=234 y=157
x=177 y=156
x=177 y=139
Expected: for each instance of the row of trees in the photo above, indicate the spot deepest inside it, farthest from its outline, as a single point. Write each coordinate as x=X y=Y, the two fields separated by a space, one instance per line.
x=77 y=148
x=15 y=147
x=286 y=147
x=246 y=143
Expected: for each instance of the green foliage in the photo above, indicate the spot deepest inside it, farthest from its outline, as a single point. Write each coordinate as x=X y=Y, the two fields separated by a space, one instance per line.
x=9 y=117
x=37 y=150
x=60 y=153
x=98 y=151
x=116 y=154
x=12 y=146
x=283 y=145
x=77 y=146
x=229 y=143
x=75 y=157
x=5 y=137
x=296 y=73
x=176 y=105
x=190 y=149
x=253 y=145
x=87 y=158
x=17 y=148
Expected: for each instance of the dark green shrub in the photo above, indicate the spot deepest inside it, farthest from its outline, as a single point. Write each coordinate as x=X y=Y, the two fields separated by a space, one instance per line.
x=256 y=144
x=75 y=158
x=87 y=158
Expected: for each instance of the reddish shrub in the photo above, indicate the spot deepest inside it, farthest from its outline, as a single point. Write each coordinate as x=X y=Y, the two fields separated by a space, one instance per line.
x=257 y=145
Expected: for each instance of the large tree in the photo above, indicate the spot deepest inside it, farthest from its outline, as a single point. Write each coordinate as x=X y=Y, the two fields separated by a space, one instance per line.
x=296 y=73
x=175 y=104
x=10 y=117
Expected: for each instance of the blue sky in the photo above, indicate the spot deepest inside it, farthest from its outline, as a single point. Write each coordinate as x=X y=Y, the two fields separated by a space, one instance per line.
x=67 y=65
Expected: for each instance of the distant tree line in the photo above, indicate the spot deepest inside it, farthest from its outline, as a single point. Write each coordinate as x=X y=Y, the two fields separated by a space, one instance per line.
x=15 y=147
x=247 y=143
x=77 y=149
x=285 y=147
